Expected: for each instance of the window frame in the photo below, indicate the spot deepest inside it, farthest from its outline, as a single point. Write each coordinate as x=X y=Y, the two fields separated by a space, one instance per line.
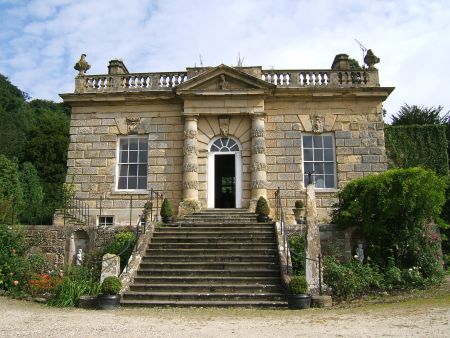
x=333 y=148
x=104 y=225
x=118 y=164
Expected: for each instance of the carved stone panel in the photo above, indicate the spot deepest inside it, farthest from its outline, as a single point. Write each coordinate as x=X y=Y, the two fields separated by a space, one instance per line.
x=317 y=122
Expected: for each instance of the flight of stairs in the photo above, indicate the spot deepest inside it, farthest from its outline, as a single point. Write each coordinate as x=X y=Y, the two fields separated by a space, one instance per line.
x=218 y=257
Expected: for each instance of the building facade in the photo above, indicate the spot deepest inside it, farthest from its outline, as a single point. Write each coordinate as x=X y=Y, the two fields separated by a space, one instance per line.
x=221 y=137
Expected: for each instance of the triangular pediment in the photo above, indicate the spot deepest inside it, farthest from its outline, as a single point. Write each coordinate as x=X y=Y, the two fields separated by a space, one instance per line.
x=224 y=80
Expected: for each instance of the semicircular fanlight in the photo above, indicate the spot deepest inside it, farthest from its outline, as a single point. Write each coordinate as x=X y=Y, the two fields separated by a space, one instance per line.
x=224 y=144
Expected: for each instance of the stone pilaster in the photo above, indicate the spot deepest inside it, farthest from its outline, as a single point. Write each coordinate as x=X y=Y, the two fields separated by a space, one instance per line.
x=259 y=164
x=190 y=162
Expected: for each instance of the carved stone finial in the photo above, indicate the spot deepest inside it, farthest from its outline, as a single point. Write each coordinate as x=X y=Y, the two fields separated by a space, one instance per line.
x=82 y=65
x=370 y=59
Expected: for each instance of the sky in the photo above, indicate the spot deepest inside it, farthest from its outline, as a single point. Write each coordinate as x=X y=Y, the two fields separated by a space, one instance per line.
x=41 y=40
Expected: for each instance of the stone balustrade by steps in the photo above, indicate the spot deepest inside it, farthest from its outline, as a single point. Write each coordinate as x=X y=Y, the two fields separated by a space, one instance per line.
x=218 y=257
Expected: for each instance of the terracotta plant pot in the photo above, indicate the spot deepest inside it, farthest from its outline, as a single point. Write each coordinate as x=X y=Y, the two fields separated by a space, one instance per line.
x=300 y=301
x=108 y=302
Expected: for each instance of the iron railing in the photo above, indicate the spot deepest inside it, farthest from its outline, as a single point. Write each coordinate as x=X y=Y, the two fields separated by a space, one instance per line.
x=76 y=208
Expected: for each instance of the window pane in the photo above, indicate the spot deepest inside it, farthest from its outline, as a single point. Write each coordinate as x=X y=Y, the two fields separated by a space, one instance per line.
x=308 y=153
x=133 y=157
x=318 y=168
x=142 y=170
x=328 y=142
x=142 y=183
x=142 y=156
x=317 y=141
x=132 y=170
x=307 y=141
x=143 y=144
x=132 y=182
x=123 y=158
x=124 y=144
x=328 y=155
x=235 y=148
x=329 y=181
x=123 y=170
x=309 y=167
x=320 y=181
x=133 y=143
x=318 y=155
x=329 y=168
x=122 y=183
x=305 y=180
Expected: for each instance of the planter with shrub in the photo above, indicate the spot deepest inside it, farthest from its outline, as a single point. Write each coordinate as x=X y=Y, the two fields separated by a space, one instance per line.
x=262 y=210
x=166 y=211
x=298 y=298
x=109 y=297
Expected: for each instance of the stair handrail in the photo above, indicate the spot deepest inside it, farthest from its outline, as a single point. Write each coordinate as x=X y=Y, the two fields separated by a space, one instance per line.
x=280 y=217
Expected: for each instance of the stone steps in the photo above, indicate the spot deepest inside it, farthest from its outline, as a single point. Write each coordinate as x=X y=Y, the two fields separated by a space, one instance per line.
x=213 y=258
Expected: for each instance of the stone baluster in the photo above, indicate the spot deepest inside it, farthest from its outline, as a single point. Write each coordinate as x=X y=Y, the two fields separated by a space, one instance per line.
x=259 y=165
x=190 y=163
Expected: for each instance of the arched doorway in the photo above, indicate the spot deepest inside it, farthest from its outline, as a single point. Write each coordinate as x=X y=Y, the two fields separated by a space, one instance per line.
x=224 y=173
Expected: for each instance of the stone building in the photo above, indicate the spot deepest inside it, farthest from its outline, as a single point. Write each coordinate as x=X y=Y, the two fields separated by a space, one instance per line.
x=221 y=137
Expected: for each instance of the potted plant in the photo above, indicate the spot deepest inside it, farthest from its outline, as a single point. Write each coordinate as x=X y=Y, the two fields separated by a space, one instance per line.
x=298 y=298
x=166 y=211
x=109 y=297
x=298 y=211
x=262 y=210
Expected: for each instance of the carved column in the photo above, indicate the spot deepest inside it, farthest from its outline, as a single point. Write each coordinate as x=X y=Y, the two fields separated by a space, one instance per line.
x=259 y=165
x=190 y=163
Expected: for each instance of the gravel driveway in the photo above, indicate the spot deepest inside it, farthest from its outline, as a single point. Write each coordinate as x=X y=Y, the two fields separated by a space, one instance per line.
x=422 y=318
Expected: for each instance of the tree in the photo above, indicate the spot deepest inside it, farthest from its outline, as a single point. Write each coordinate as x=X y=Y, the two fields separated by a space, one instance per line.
x=11 y=198
x=33 y=194
x=408 y=115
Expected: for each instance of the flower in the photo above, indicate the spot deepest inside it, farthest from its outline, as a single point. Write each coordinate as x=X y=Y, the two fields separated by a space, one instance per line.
x=16 y=282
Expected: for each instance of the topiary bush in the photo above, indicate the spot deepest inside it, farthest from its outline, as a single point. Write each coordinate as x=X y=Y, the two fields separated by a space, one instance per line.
x=299 y=204
x=393 y=209
x=298 y=285
x=166 y=209
x=111 y=286
x=262 y=207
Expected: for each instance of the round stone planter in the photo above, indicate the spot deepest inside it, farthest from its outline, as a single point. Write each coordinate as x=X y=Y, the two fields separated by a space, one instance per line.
x=108 y=302
x=301 y=301
x=88 y=302
x=262 y=218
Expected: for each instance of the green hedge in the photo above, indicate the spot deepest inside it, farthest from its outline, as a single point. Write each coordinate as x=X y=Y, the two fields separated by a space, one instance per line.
x=418 y=145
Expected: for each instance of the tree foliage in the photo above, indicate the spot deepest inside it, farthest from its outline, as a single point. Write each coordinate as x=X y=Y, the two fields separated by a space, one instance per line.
x=11 y=196
x=33 y=194
x=414 y=114
x=36 y=131
x=418 y=145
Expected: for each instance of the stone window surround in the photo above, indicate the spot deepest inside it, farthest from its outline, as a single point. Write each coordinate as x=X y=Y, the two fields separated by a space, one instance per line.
x=326 y=189
x=116 y=179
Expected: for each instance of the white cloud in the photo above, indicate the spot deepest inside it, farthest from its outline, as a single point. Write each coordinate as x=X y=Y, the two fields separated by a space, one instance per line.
x=42 y=39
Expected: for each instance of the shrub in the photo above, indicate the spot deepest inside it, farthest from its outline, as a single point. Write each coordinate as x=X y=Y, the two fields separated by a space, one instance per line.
x=111 y=286
x=352 y=279
x=262 y=207
x=166 y=209
x=122 y=244
x=297 y=246
x=77 y=281
x=298 y=285
x=299 y=204
x=393 y=210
